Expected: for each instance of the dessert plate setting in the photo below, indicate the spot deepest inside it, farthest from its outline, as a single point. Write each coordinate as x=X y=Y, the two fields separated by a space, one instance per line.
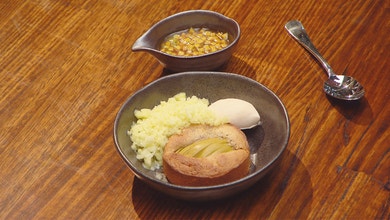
x=267 y=141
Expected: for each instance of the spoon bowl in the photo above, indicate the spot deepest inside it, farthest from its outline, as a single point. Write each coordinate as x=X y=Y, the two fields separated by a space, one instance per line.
x=343 y=87
x=338 y=86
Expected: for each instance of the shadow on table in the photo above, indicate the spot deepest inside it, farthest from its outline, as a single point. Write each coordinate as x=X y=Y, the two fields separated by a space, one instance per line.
x=289 y=179
x=358 y=111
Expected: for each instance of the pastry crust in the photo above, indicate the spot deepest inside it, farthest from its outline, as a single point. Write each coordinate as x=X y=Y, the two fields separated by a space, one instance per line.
x=212 y=170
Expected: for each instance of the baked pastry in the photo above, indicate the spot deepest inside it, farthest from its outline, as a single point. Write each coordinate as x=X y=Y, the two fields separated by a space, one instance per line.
x=203 y=155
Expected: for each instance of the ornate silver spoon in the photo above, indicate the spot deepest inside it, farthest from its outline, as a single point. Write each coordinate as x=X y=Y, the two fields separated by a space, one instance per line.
x=338 y=86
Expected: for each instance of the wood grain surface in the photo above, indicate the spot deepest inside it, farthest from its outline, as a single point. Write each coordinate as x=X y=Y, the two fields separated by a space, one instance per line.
x=66 y=67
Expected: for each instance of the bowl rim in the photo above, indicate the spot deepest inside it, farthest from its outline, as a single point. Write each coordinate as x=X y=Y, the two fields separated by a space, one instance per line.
x=140 y=175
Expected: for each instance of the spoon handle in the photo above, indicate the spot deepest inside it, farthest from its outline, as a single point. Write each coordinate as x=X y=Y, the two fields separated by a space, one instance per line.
x=296 y=30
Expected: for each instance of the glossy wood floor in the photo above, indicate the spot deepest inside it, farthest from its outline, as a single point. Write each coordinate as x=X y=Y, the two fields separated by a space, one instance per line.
x=66 y=67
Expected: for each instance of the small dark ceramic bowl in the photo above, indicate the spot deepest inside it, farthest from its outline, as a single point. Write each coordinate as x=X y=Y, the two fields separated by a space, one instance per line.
x=267 y=141
x=151 y=40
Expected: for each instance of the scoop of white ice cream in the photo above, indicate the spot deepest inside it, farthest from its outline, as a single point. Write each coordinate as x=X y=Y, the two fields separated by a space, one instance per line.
x=240 y=113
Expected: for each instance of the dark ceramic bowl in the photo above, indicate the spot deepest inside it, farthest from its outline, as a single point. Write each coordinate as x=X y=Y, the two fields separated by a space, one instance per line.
x=267 y=142
x=151 y=40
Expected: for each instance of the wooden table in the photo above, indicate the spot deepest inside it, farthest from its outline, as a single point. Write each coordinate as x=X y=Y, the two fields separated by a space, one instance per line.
x=67 y=66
